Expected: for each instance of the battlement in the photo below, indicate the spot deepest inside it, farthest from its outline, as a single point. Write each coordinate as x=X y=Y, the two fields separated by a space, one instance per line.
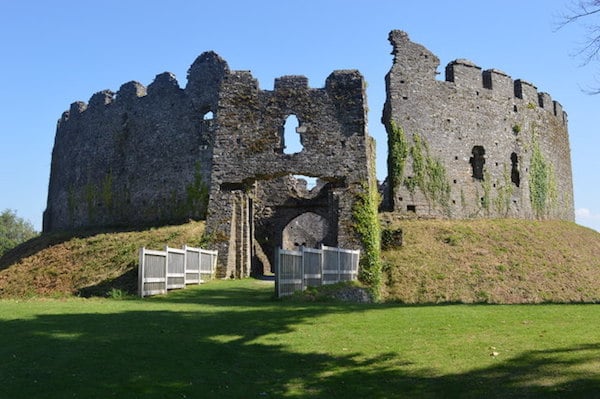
x=130 y=91
x=467 y=75
x=482 y=124
x=291 y=82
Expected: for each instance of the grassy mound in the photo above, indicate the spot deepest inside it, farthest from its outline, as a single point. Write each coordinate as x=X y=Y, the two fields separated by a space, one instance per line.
x=88 y=263
x=493 y=261
x=490 y=261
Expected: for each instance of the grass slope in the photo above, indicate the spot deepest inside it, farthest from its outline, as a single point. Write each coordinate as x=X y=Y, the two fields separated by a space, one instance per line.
x=89 y=263
x=229 y=339
x=494 y=261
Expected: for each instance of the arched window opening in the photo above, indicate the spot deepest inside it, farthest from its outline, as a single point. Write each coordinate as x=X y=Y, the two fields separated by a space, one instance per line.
x=291 y=142
x=477 y=161
x=307 y=230
x=514 y=170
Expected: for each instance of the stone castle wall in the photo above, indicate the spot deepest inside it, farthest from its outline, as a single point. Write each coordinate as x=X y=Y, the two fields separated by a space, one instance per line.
x=253 y=179
x=146 y=156
x=478 y=144
x=483 y=128
x=140 y=156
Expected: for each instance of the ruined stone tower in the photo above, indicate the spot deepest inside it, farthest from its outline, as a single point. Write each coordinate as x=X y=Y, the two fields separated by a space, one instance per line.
x=164 y=154
x=257 y=203
x=477 y=144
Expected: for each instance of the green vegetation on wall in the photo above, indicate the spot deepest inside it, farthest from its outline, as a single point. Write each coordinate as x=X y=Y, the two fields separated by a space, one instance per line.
x=505 y=192
x=428 y=172
x=367 y=226
x=542 y=181
x=487 y=191
x=365 y=212
x=398 y=152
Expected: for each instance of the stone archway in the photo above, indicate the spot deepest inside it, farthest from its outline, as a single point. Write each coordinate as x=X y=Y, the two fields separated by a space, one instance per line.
x=307 y=230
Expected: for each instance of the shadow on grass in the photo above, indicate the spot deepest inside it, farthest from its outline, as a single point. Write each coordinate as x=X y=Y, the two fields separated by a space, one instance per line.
x=231 y=346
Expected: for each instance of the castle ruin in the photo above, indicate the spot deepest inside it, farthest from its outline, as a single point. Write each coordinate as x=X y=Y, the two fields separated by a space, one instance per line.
x=475 y=145
x=163 y=154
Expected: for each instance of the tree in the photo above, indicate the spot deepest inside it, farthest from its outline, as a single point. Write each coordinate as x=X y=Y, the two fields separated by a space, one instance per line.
x=13 y=230
x=584 y=11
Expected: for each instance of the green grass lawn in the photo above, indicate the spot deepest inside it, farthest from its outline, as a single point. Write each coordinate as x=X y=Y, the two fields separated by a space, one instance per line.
x=229 y=339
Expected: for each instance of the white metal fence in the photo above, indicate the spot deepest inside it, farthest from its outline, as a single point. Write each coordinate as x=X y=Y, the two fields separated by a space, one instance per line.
x=173 y=268
x=308 y=267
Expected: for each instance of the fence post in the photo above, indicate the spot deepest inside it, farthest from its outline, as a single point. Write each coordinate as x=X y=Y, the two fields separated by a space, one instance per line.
x=321 y=260
x=185 y=265
x=141 y=273
x=277 y=272
x=302 y=285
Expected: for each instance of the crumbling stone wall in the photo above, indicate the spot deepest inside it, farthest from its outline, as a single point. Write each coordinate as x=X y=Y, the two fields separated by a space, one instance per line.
x=254 y=195
x=136 y=157
x=151 y=156
x=475 y=145
x=500 y=147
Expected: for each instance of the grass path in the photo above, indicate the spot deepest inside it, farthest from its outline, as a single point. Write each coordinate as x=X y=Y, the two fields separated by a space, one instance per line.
x=229 y=339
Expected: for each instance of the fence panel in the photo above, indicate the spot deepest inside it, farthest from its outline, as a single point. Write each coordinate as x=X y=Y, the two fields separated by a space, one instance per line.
x=347 y=262
x=331 y=262
x=208 y=264
x=152 y=272
x=173 y=268
x=312 y=260
x=296 y=270
x=289 y=272
x=192 y=265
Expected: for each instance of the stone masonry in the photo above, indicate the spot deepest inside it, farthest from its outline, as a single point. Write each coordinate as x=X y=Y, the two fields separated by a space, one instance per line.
x=483 y=128
x=478 y=144
x=155 y=155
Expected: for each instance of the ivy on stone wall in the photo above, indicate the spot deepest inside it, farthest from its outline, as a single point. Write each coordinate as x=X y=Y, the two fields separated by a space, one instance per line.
x=398 y=147
x=542 y=182
x=366 y=224
x=428 y=172
x=505 y=190
x=487 y=192
x=365 y=212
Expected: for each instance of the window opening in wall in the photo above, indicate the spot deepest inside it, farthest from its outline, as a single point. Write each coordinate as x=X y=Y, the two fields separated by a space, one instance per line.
x=307 y=230
x=291 y=139
x=411 y=208
x=311 y=182
x=514 y=170
x=208 y=116
x=477 y=161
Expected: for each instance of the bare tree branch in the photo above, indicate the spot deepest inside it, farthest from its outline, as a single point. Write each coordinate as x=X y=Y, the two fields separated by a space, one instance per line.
x=584 y=12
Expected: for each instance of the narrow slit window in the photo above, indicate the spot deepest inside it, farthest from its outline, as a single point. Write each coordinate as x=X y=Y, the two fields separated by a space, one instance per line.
x=477 y=161
x=514 y=170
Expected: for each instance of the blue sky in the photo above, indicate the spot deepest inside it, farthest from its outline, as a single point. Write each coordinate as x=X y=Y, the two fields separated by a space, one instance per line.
x=56 y=52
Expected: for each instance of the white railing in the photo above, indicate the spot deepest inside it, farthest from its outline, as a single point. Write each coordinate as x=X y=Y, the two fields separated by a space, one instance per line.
x=173 y=268
x=308 y=267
